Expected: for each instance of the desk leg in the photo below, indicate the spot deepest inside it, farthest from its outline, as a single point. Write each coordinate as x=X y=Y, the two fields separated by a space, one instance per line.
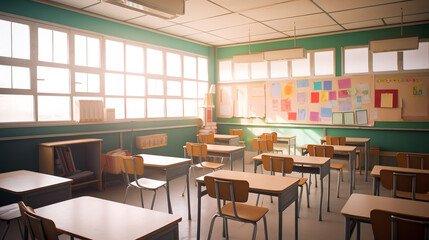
x=346 y=228
x=243 y=161
x=296 y=219
x=281 y=221
x=189 y=198
x=376 y=186
x=170 y=211
x=329 y=188
x=199 y=212
x=230 y=161
x=354 y=168
x=351 y=162
x=321 y=197
x=367 y=158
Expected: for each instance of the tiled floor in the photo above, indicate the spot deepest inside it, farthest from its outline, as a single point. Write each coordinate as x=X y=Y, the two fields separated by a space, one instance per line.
x=332 y=226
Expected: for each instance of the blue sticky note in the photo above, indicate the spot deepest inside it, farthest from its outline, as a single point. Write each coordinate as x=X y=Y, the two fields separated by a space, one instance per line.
x=358 y=98
x=276 y=90
x=302 y=114
x=327 y=85
x=326 y=112
x=317 y=86
x=302 y=83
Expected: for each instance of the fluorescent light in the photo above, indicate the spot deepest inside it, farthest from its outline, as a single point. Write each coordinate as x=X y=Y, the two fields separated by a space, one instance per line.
x=394 y=44
x=248 y=57
x=285 y=54
x=166 y=9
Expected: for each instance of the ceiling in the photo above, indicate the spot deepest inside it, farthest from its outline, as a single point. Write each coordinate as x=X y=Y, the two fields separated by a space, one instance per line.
x=226 y=22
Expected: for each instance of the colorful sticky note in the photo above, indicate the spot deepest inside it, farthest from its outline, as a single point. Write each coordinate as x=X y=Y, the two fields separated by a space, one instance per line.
x=302 y=97
x=275 y=105
x=314 y=97
x=302 y=83
x=287 y=91
x=327 y=85
x=291 y=115
x=314 y=116
x=333 y=95
x=344 y=83
x=357 y=102
x=276 y=90
x=343 y=94
x=302 y=114
x=317 y=86
x=323 y=96
x=286 y=105
x=326 y=112
x=387 y=100
x=352 y=91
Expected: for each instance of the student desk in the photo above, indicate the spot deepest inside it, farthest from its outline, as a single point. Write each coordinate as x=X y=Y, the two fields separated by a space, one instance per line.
x=359 y=142
x=359 y=206
x=94 y=218
x=36 y=189
x=225 y=139
x=290 y=139
x=307 y=164
x=351 y=151
x=233 y=152
x=285 y=188
x=375 y=173
x=174 y=168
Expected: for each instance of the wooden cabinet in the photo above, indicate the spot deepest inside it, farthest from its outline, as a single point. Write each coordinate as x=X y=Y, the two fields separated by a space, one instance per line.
x=86 y=155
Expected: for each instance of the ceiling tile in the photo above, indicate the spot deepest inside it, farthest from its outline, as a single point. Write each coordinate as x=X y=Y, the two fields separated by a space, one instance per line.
x=262 y=37
x=409 y=18
x=284 y=10
x=221 y=43
x=113 y=11
x=315 y=20
x=199 y=9
x=204 y=37
x=77 y=4
x=239 y=5
x=219 y=22
x=151 y=22
x=307 y=31
x=179 y=30
x=363 y=24
x=243 y=31
x=339 y=5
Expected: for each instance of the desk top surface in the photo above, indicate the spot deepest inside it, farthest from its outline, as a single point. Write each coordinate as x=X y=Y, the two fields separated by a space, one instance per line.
x=69 y=142
x=162 y=161
x=257 y=182
x=222 y=148
x=95 y=218
x=377 y=168
x=307 y=160
x=351 y=140
x=225 y=136
x=285 y=136
x=337 y=148
x=23 y=181
x=359 y=206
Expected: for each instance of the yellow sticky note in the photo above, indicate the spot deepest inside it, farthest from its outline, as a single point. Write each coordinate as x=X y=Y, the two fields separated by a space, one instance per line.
x=287 y=91
x=387 y=100
x=324 y=96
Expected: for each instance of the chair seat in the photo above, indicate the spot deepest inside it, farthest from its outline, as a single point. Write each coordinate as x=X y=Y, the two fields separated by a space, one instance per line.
x=337 y=166
x=9 y=212
x=245 y=211
x=302 y=181
x=408 y=195
x=149 y=183
x=212 y=165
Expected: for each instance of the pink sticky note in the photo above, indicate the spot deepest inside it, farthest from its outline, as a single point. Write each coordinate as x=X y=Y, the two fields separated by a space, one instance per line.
x=343 y=94
x=344 y=83
x=291 y=115
x=314 y=116
x=333 y=95
x=286 y=105
x=275 y=105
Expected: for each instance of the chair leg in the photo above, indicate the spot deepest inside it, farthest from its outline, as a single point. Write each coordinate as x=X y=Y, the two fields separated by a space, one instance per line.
x=315 y=179
x=211 y=226
x=226 y=233
x=338 y=184
x=141 y=197
x=300 y=200
x=3 y=236
x=153 y=199
x=342 y=175
x=308 y=193
x=257 y=200
x=265 y=228
x=126 y=194
x=254 y=231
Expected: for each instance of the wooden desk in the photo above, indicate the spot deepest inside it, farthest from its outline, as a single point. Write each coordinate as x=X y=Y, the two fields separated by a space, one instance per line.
x=351 y=152
x=375 y=173
x=174 y=168
x=285 y=188
x=233 y=152
x=36 y=189
x=290 y=139
x=359 y=142
x=307 y=164
x=359 y=206
x=225 y=139
x=94 y=218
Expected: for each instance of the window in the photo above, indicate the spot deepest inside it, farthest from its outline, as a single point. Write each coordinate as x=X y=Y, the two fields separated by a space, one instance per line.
x=155 y=87
x=225 y=70
x=53 y=46
x=189 y=67
x=53 y=108
x=87 y=82
x=189 y=89
x=14 y=40
x=135 y=85
x=134 y=59
x=356 y=60
x=241 y=71
x=417 y=59
x=14 y=77
x=174 y=65
x=174 y=108
x=155 y=108
x=114 y=55
x=155 y=61
x=324 y=63
x=301 y=67
x=259 y=70
x=16 y=108
x=279 y=69
x=136 y=108
x=114 y=84
x=53 y=80
x=385 y=61
x=118 y=105
x=87 y=51
x=174 y=88
x=203 y=71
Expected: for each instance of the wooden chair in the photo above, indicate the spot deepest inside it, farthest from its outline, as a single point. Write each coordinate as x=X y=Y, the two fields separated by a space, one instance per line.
x=207 y=138
x=327 y=151
x=8 y=213
x=388 y=225
x=38 y=227
x=236 y=192
x=262 y=146
x=284 y=165
x=332 y=140
x=133 y=165
x=413 y=160
x=413 y=186
x=273 y=137
x=238 y=132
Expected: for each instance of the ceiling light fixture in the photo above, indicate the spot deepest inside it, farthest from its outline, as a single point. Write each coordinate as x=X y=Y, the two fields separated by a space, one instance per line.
x=166 y=9
x=248 y=57
x=287 y=53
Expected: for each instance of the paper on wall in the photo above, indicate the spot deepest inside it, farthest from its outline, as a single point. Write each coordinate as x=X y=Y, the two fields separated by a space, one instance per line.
x=373 y=114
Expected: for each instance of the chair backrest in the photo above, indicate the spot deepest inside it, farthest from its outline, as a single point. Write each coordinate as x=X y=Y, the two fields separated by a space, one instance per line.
x=330 y=140
x=132 y=165
x=238 y=132
x=413 y=160
x=274 y=163
x=413 y=183
x=39 y=227
x=206 y=138
x=320 y=150
x=269 y=136
x=197 y=151
x=388 y=225
x=263 y=145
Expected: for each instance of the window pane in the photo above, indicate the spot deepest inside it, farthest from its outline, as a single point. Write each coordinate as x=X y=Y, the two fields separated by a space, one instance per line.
x=118 y=105
x=417 y=59
x=259 y=70
x=16 y=108
x=203 y=72
x=53 y=80
x=356 y=60
x=87 y=82
x=45 y=45
x=301 y=67
x=21 y=78
x=76 y=104
x=20 y=41
x=190 y=108
x=174 y=88
x=225 y=70
x=155 y=87
x=135 y=108
x=53 y=108
x=190 y=67
x=324 y=63
x=190 y=89
x=5 y=76
x=135 y=85
x=134 y=56
x=385 y=61
x=155 y=108
x=279 y=69
x=5 y=38
x=114 y=55
x=241 y=71
x=174 y=65
x=60 y=47
x=93 y=83
x=155 y=61
x=203 y=88
x=93 y=45
x=114 y=84
x=174 y=108
x=80 y=50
